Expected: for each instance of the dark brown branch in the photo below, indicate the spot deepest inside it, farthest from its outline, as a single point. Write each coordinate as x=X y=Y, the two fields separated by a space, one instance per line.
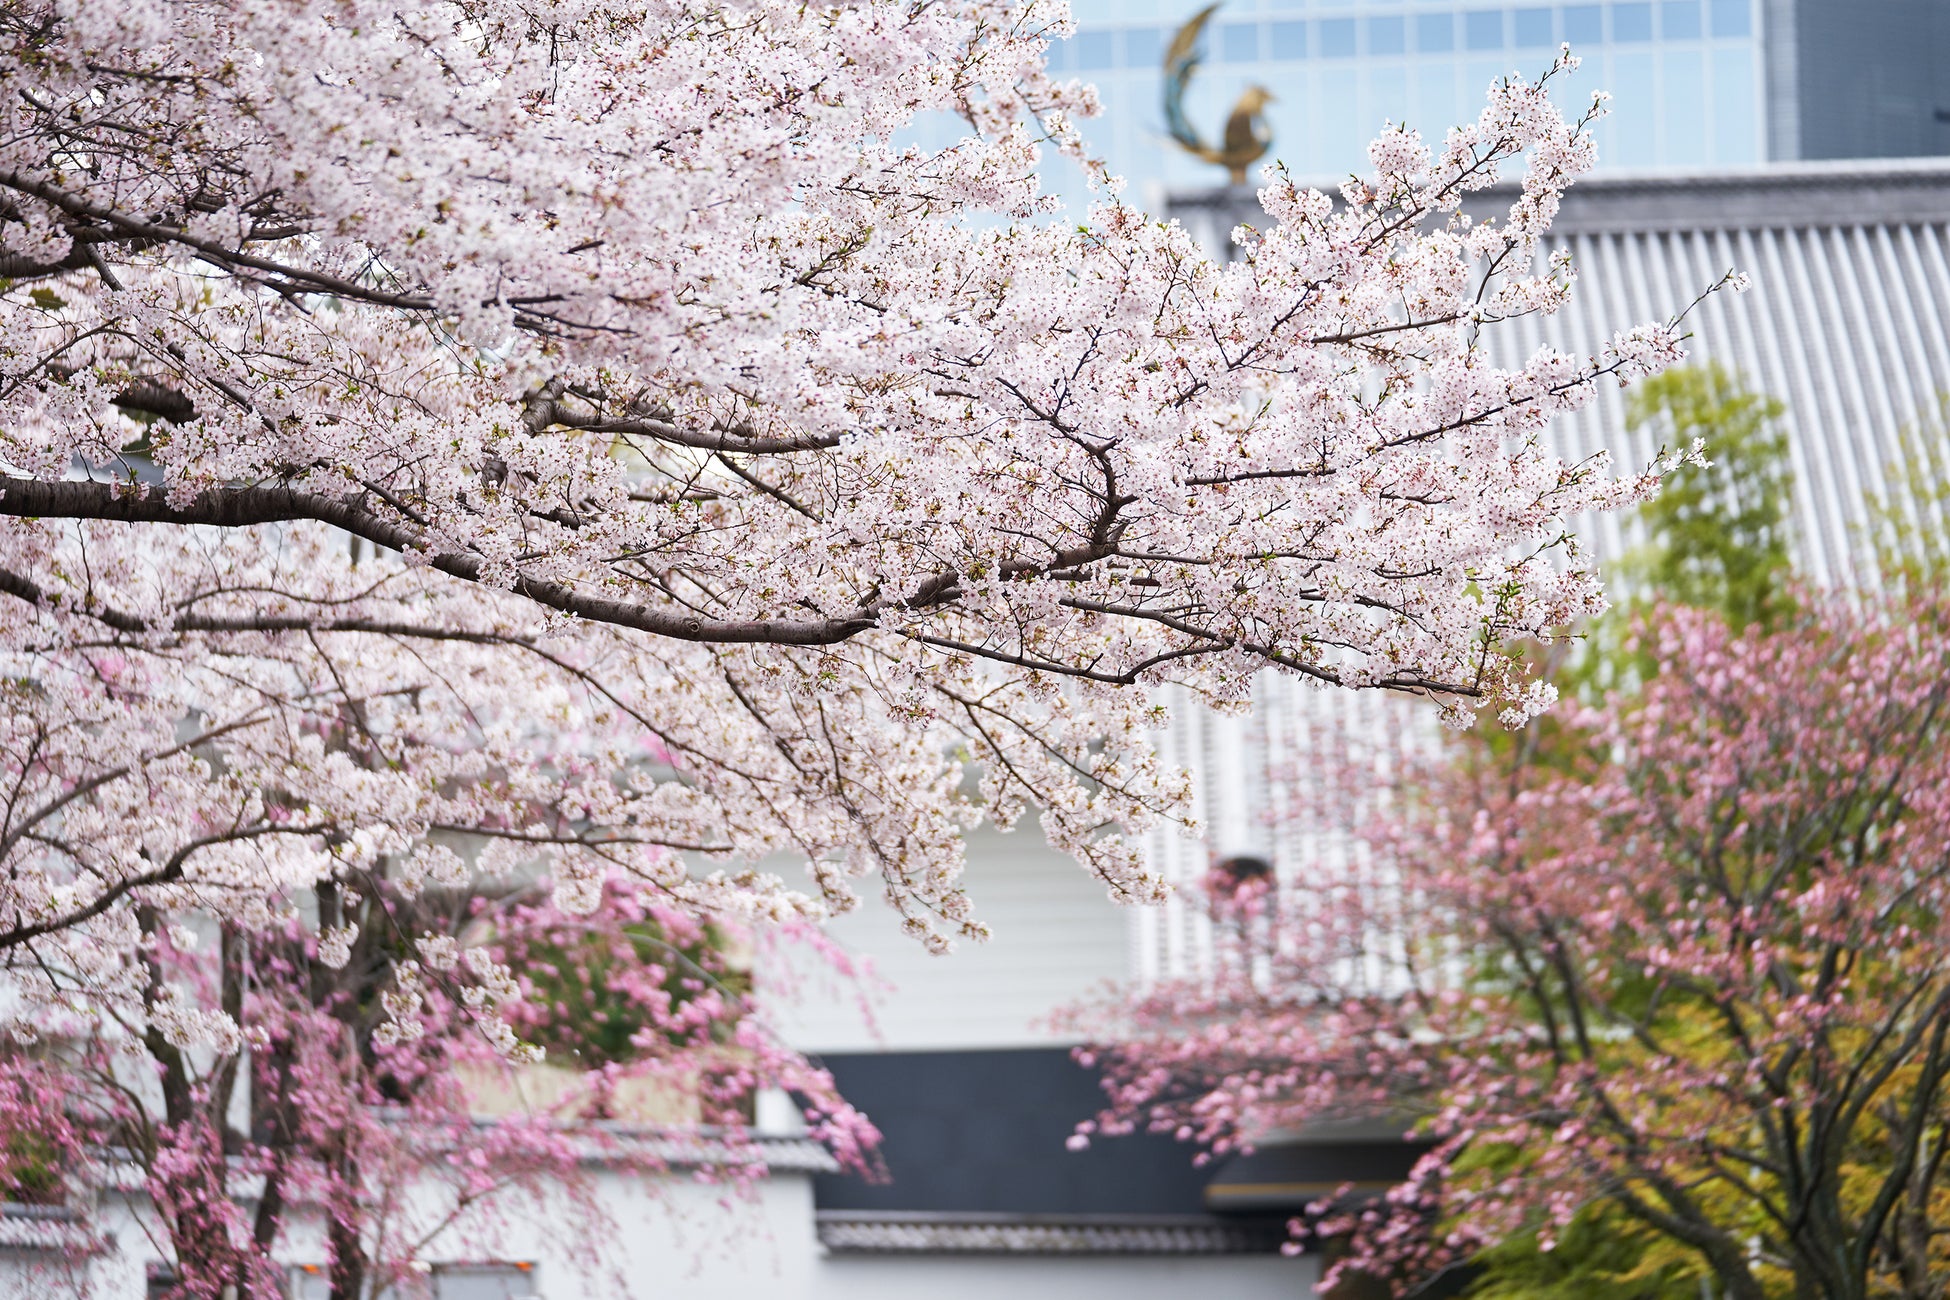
x=245 y=507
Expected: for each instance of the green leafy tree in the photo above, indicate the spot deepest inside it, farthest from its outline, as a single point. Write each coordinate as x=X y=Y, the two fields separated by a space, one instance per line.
x=1909 y=526
x=1717 y=535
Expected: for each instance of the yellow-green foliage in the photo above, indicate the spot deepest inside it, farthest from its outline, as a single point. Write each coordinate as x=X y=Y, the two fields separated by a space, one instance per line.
x=1717 y=537
x=1909 y=529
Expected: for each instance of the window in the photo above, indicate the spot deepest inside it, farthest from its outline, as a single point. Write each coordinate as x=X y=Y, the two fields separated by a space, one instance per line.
x=1337 y=37
x=1679 y=20
x=1534 y=28
x=1289 y=40
x=1732 y=18
x=1584 y=25
x=1631 y=22
x=1093 y=50
x=1144 y=47
x=1387 y=35
x=1239 y=42
x=1435 y=33
x=1483 y=30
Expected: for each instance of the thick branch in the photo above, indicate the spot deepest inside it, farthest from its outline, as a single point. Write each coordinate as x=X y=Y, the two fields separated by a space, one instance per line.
x=246 y=507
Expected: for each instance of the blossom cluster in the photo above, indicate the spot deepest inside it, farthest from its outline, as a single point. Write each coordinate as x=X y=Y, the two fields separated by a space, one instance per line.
x=571 y=443
x=354 y=1121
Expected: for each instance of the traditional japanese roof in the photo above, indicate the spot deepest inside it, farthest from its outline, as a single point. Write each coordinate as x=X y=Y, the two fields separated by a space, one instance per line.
x=1847 y=322
x=942 y=1233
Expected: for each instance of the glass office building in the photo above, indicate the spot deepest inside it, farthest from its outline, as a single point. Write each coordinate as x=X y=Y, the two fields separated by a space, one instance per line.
x=1686 y=76
x=1695 y=84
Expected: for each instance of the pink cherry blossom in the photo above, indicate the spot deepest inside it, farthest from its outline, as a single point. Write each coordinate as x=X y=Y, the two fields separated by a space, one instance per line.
x=380 y=1134
x=1698 y=971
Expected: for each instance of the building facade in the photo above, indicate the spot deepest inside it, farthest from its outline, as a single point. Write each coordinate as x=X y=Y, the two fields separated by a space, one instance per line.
x=1694 y=83
x=631 y=1236
x=1847 y=323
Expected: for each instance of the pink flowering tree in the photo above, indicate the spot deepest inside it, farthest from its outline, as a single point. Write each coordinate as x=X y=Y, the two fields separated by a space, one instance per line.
x=355 y=1120
x=40 y=1144
x=1700 y=977
x=612 y=426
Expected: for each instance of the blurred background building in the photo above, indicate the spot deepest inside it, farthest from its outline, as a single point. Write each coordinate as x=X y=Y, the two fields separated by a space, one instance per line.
x=1694 y=83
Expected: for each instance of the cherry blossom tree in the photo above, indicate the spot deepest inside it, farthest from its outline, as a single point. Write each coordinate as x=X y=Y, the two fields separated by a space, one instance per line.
x=355 y=1121
x=599 y=415
x=1703 y=979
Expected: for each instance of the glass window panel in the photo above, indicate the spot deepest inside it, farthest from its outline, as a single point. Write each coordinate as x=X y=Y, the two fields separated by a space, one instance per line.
x=1239 y=42
x=1584 y=25
x=1732 y=18
x=1534 y=28
x=1435 y=33
x=1437 y=105
x=1736 y=107
x=1341 y=135
x=1483 y=30
x=1478 y=76
x=1092 y=50
x=1386 y=96
x=1684 y=107
x=1387 y=35
x=1337 y=37
x=1679 y=20
x=1631 y=22
x=1144 y=47
x=1635 y=112
x=1289 y=40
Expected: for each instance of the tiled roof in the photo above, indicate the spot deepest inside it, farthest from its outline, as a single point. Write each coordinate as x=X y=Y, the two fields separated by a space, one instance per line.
x=889 y=1233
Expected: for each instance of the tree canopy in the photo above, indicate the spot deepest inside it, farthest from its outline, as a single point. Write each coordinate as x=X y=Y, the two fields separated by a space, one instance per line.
x=446 y=436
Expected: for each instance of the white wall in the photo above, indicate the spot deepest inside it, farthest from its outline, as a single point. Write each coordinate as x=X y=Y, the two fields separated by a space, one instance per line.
x=679 y=1240
x=1057 y=936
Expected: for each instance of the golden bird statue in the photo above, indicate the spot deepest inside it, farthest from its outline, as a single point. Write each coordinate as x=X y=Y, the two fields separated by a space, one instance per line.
x=1247 y=136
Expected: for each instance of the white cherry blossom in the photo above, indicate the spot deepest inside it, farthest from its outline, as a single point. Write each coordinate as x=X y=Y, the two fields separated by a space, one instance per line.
x=586 y=435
